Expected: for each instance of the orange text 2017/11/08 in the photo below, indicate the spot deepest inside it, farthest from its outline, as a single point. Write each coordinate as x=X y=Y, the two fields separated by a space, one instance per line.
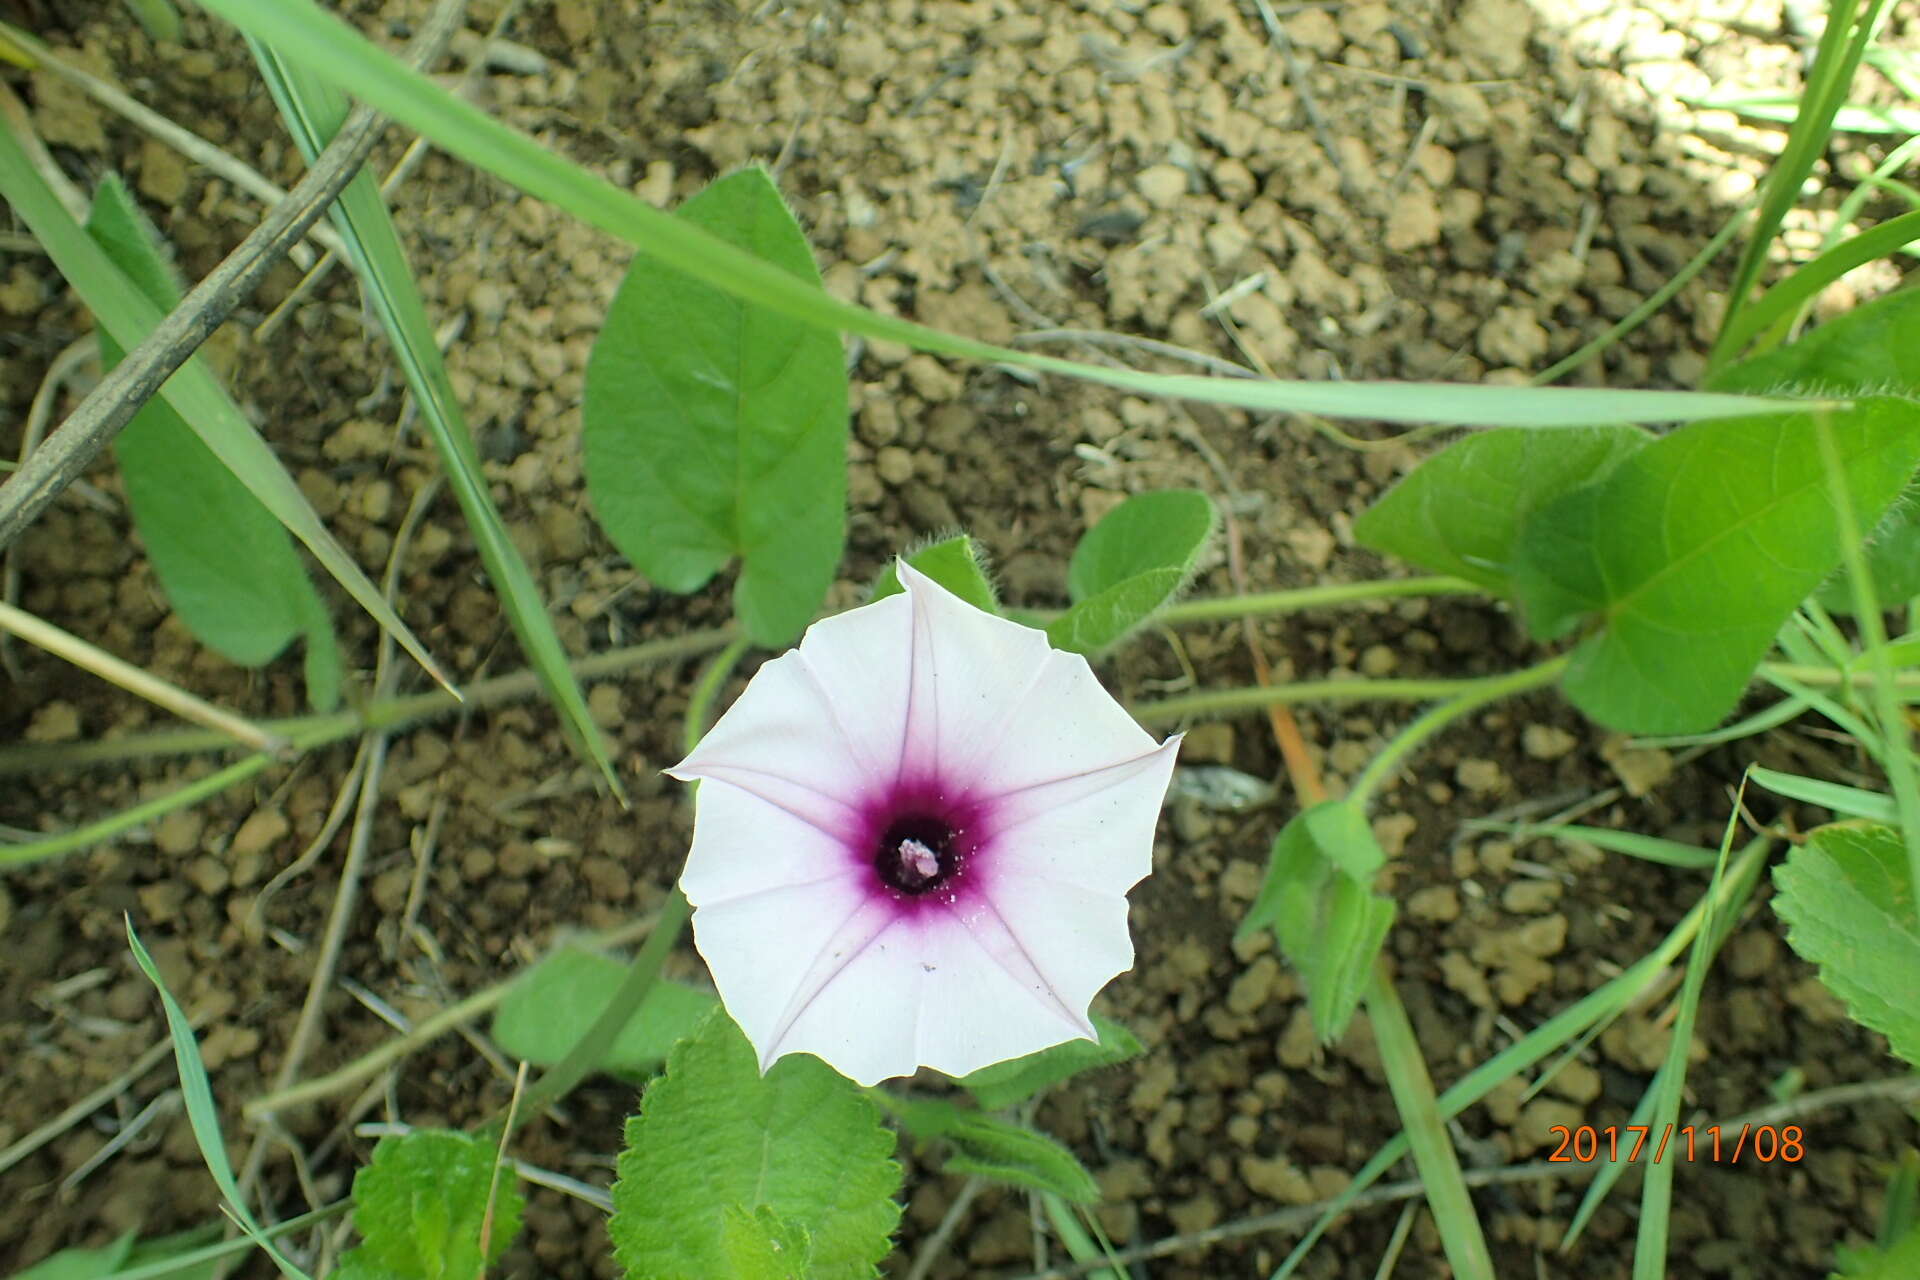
x=1707 y=1143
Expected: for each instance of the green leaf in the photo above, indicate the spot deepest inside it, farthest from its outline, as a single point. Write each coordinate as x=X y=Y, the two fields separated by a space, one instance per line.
x=1000 y=1149
x=1873 y=349
x=714 y=1133
x=1165 y=529
x=81 y=1264
x=1847 y=899
x=1460 y=511
x=762 y=1245
x=226 y=565
x=1318 y=898
x=1893 y=561
x=715 y=428
x=1097 y=624
x=1694 y=551
x=314 y=111
x=1134 y=561
x=551 y=1007
x=1008 y=1084
x=420 y=1203
x=128 y=316
x=1898 y=1261
x=955 y=563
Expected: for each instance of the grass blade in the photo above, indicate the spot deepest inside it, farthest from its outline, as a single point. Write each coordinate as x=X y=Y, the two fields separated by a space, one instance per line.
x=313 y=111
x=336 y=52
x=201 y=1112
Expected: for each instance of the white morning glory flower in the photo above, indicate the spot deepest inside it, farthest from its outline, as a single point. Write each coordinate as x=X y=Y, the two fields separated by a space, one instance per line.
x=915 y=838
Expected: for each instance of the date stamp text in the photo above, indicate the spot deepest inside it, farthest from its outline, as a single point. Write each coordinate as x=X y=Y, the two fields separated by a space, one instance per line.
x=1709 y=1144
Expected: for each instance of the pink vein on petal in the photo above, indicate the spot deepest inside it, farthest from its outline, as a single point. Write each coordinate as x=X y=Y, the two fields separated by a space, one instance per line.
x=916 y=739
x=722 y=772
x=751 y=894
x=1104 y=778
x=987 y=742
x=855 y=746
x=864 y=926
x=1025 y=972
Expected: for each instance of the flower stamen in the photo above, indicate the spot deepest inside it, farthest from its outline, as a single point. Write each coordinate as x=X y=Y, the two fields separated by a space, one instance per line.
x=917 y=855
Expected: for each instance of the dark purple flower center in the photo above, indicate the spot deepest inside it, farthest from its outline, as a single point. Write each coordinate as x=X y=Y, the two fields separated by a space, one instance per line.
x=917 y=854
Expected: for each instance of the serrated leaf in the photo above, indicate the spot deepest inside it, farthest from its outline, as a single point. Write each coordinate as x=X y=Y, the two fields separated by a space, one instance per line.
x=714 y=428
x=419 y=1205
x=1164 y=529
x=1694 y=551
x=553 y=1004
x=1318 y=898
x=713 y=1133
x=1000 y=1149
x=81 y=1264
x=225 y=564
x=1847 y=899
x=762 y=1245
x=1460 y=511
x=955 y=563
x=1008 y=1084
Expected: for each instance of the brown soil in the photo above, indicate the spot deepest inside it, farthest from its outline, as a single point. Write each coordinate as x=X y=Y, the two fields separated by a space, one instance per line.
x=1417 y=190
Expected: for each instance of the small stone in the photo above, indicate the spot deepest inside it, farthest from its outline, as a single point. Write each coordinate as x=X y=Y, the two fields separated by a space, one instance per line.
x=1482 y=777
x=1546 y=742
x=1161 y=185
x=1576 y=1082
x=607 y=705
x=1463 y=976
x=894 y=465
x=209 y=875
x=179 y=832
x=161 y=902
x=1530 y=897
x=55 y=722
x=1254 y=987
x=1276 y=1179
x=1391 y=831
x=259 y=832
x=1438 y=904
x=1378 y=660
x=1243 y=1131
x=1533 y=1128
x=1240 y=882
x=1752 y=954
x=1640 y=769
x=163 y=174
x=1153 y=1087
x=1298 y=1045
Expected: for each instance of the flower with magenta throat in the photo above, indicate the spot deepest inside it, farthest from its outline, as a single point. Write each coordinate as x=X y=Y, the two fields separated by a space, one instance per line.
x=914 y=840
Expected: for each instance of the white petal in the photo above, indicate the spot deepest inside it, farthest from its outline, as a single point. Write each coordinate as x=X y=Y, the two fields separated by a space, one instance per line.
x=1094 y=829
x=933 y=990
x=993 y=703
x=760 y=948
x=827 y=717
x=744 y=843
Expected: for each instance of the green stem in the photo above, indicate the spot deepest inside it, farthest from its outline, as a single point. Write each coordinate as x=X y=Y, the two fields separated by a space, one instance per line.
x=1822 y=677
x=1217 y=703
x=1430 y=722
x=1425 y=1128
x=1212 y=610
x=308 y=732
x=591 y=1049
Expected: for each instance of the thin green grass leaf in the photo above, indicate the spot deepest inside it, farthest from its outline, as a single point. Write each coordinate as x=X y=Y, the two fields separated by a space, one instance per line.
x=1842 y=45
x=300 y=30
x=194 y=393
x=313 y=110
x=1848 y=802
x=1746 y=727
x=1779 y=303
x=1784 y=108
x=202 y=1114
x=1080 y=1245
x=1426 y=1132
x=1656 y=1191
x=1669 y=853
x=72 y=841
